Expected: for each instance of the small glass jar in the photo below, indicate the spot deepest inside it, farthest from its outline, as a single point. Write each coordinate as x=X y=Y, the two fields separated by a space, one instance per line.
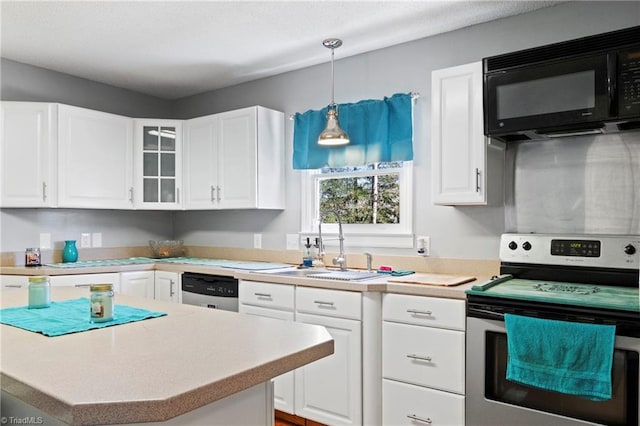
x=39 y=292
x=101 y=302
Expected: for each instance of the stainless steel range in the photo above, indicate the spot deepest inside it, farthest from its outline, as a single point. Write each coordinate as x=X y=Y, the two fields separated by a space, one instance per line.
x=568 y=278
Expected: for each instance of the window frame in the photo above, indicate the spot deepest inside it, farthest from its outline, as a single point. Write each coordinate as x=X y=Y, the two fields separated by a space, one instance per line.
x=362 y=235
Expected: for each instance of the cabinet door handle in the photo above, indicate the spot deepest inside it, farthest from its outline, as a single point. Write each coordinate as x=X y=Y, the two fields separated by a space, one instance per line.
x=44 y=191
x=477 y=180
x=419 y=419
x=13 y=286
x=213 y=193
x=131 y=195
x=419 y=357
x=419 y=312
x=218 y=188
x=171 y=292
x=320 y=302
x=177 y=195
x=262 y=295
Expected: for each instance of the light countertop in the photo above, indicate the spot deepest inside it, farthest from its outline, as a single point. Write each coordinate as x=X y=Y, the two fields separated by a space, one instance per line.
x=150 y=370
x=380 y=284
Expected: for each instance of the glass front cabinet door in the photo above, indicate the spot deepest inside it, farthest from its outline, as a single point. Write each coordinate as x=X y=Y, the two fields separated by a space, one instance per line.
x=158 y=159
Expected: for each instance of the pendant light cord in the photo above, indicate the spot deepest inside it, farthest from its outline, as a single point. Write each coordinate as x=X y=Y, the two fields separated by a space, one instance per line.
x=333 y=84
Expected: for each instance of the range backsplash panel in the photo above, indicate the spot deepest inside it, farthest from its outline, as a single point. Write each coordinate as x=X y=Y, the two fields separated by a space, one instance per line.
x=582 y=184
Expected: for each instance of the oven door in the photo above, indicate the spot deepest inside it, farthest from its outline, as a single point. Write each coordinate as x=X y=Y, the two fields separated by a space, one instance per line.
x=493 y=400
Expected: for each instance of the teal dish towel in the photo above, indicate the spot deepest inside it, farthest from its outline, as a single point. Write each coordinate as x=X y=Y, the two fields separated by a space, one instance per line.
x=69 y=316
x=572 y=358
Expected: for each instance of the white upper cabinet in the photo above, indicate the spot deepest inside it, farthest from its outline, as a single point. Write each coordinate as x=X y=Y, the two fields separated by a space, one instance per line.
x=157 y=164
x=95 y=154
x=235 y=160
x=28 y=154
x=458 y=143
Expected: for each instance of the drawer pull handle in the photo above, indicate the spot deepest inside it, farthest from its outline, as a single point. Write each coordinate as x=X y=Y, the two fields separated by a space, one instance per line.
x=419 y=357
x=419 y=312
x=82 y=285
x=320 y=302
x=262 y=295
x=13 y=286
x=418 y=419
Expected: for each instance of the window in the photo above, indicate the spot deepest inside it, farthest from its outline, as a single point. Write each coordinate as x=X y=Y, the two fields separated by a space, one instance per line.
x=373 y=201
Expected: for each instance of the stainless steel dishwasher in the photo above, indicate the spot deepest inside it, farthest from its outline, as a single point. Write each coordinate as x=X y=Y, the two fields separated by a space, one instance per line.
x=210 y=291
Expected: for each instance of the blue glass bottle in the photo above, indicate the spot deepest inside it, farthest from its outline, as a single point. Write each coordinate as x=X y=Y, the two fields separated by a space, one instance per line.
x=69 y=252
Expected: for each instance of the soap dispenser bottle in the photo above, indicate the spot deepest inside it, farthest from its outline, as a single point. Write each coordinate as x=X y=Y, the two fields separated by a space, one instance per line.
x=307 y=259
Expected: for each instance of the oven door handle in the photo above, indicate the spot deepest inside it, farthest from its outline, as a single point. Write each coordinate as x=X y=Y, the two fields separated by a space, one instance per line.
x=486 y=312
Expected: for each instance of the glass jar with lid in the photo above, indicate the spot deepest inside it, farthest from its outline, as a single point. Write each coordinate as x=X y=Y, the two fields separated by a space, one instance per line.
x=101 y=302
x=39 y=292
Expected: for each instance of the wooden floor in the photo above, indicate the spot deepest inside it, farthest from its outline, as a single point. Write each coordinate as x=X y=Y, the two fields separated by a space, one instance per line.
x=286 y=419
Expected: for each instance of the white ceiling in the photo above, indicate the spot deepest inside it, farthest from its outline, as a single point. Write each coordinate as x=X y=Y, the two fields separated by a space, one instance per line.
x=173 y=49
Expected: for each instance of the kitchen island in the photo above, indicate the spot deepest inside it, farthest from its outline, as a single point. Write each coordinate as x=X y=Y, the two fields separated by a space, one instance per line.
x=194 y=365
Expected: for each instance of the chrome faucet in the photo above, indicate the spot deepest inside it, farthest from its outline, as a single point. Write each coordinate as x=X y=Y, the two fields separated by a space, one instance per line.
x=368 y=255
x=341 y=260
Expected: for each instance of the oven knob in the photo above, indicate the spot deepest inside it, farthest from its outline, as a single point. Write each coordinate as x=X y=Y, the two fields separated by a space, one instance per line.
x=629 y=249
x=513 y=245
x=526 y=245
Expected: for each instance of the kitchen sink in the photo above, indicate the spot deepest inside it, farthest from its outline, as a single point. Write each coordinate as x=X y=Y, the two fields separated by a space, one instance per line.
x=326 y=274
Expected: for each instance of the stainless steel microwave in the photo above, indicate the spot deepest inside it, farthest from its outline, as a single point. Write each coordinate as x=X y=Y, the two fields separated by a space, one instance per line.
x=585 y=86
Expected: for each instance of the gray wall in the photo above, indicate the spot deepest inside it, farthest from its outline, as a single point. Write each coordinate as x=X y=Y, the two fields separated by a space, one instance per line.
x=455 y=232
x=469 y=232
x=22 y=82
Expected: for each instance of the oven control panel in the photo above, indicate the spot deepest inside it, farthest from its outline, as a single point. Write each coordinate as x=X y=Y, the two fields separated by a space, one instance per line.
x=609 y=251
x=582 y=248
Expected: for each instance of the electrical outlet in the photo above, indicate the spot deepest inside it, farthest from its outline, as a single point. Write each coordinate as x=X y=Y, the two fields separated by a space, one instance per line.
x=293 y=242
x=423 y=245
x=257 y=240
x=85 y=240
x=45 y=240
x=96 y=239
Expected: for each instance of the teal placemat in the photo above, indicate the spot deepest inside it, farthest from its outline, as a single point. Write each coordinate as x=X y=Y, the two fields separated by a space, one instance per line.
x=108 y=262
x=224 y=263
x=69 y=316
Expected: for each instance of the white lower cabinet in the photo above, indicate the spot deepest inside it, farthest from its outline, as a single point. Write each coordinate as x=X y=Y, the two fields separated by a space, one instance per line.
x=411 y=405
x=137 y=283
x=423 y=360
x=167 y=286
x=329 y=390
x=272 y=301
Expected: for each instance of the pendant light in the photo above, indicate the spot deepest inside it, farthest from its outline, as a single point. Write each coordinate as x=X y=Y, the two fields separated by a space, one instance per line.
x=332 y=135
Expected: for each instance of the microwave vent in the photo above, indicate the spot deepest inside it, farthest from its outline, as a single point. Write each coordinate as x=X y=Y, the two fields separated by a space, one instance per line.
x=629 y=125
x=518 y=137
x=601 y=42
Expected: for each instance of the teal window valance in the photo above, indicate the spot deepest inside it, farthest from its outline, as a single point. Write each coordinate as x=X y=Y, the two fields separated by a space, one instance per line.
x=380 y=130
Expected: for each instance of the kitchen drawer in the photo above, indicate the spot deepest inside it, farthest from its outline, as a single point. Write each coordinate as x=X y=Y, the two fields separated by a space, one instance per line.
x=421 y=310
x=404 y=404
x=259 y=311
x=424 y=356
x=269 y=295
x=13 y=281
x=333 y=303
x=85 y=280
